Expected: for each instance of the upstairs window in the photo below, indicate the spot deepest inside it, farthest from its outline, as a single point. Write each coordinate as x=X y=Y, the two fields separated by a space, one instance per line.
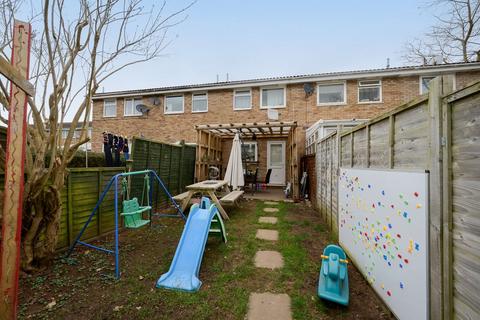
x=174 y=104
x=369 y=91
x=130 y=107
x=425 y=84
x=199 y=102
x=272 y=98
x=110 y=108
x=242 y=99
x=331 y=93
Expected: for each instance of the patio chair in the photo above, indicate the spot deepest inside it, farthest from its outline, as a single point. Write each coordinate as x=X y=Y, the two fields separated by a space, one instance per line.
x=263 y=184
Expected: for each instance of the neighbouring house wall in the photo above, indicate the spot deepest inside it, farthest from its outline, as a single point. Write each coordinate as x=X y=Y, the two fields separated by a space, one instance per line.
x=171 y=128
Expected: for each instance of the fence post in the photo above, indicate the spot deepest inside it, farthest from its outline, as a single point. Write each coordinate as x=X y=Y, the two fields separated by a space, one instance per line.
x=70 y=210
x=182 y=164
x=438 y=87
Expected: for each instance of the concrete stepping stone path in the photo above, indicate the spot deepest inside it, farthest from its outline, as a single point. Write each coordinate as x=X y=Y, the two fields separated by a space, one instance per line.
x=270 y=210
x=270 y=220
x=268 y=259
x=271 y=203
x=269 y=306
x=265 y=234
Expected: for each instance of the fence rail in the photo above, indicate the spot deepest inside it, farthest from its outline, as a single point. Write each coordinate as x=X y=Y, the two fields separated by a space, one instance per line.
x=439 y=133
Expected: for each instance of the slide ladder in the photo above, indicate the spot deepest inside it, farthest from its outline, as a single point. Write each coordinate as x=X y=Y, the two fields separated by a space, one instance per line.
x=183 y=273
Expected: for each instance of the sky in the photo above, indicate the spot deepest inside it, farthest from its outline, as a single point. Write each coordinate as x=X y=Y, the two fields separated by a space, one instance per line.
x=255 y=39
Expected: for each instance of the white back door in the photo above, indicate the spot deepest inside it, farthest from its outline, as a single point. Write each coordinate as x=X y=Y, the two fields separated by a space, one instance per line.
x=276 y=161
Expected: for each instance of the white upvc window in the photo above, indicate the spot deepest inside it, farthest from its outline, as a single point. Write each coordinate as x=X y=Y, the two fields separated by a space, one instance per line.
x=109 y=108
x=273 y=97
x=369 y=91
x=199 y=102
x=332 y=93
x=249 y=151
x=425 y=83
x=130 y=107
x=174 y=104
x=242 y=99
x=65 y=133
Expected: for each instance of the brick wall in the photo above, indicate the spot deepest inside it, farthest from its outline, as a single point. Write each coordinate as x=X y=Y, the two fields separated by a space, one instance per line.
x=171 y=128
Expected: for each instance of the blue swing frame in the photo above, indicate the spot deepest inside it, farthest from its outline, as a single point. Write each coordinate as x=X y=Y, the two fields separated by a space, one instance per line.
x=114 y=180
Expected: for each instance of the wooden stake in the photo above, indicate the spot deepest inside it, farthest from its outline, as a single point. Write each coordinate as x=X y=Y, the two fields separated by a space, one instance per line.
x=14 y=170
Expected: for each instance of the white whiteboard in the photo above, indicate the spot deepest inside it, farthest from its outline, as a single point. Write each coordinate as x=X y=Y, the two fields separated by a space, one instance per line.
x=383 y=227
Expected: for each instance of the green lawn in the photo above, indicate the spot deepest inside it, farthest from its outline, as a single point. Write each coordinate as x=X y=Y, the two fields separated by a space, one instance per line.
x=83 y=287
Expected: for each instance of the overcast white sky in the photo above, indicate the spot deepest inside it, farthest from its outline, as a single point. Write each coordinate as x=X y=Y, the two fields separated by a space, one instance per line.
x=252 y=39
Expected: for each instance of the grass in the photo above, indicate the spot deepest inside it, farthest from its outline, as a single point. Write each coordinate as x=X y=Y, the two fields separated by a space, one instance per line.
x=83 y=286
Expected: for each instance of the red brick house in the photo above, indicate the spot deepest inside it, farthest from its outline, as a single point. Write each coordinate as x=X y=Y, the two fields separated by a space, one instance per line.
x=305 y=99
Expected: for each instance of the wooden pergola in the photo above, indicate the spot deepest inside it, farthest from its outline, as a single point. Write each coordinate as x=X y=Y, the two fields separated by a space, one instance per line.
x=210 y=137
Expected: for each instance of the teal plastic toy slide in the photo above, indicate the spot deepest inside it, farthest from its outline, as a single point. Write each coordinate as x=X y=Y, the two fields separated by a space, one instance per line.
x=333 y=279
x=183 y=273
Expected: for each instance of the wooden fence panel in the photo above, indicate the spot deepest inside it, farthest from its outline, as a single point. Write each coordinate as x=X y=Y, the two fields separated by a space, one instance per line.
x=465 y=200
x=360 y=148
x=378 y=154
x=328 y=180
x=334 y=185
x=411 y=138
x=174 y=164
x=346 y=151
x=84 y=188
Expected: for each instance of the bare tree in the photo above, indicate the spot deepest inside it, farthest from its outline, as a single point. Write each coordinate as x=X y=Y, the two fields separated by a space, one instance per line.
x=455 y=37
x=76 y=46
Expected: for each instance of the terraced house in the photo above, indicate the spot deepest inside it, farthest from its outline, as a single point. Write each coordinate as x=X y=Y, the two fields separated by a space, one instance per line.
x=170 y=114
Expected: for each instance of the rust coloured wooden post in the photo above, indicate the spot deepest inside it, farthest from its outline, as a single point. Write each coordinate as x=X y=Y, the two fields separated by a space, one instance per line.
x=14 y=170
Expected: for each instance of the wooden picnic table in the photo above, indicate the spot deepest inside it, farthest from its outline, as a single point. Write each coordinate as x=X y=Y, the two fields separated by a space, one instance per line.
x=207 y=187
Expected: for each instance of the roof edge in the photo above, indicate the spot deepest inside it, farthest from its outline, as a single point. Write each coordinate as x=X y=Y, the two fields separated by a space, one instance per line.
x=343 y=75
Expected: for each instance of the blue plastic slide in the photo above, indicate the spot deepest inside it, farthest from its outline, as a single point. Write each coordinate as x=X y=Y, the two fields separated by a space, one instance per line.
x=183 y=273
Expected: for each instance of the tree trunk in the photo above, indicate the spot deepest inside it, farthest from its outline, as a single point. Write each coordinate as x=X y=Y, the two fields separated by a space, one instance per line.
x=40 y=228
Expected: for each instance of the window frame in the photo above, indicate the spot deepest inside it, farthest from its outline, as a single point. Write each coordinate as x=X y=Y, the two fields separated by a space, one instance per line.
x=165 y=104
x=344 y=102
x=235 y=95
x=115 y=105
x=134 y=107
x=284 y=87
x=421 y=83
x=256 y=149
x=359 y=85
x=193 y=99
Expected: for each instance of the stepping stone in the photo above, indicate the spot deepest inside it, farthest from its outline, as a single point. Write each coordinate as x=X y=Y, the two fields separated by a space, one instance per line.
x=270 y=209
x=270 y=203
x=269 y=306
x=271 y=220
x=268 y=259
x=265 y=234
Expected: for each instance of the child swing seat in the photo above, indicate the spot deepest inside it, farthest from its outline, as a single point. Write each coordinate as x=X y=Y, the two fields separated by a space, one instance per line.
x=333 y=280
x=132 y=214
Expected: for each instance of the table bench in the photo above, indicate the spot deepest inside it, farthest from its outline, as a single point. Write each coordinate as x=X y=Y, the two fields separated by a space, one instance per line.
x=231 y=198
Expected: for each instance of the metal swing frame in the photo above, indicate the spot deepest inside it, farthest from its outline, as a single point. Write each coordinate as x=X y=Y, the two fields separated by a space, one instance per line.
x=114 y=181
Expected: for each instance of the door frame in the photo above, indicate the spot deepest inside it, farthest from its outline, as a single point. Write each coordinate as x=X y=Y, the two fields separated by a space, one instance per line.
x=284 y=145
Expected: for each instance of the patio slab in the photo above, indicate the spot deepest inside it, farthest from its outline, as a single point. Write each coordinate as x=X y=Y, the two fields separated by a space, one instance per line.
x=269 y=306
x=268 y=259
x=265 y=234
x=270 y=220
x=270 y=210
